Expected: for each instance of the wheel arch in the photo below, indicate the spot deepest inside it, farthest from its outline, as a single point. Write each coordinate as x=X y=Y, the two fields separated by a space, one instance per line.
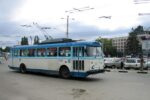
x=22 y=65
x=63 y=66
x=64 y=71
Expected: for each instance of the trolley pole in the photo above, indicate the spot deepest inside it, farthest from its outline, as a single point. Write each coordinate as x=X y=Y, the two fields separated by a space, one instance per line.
x=67 y=31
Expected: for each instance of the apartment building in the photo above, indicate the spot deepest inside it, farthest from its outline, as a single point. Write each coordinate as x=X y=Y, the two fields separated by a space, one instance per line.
x=144 y=39
x=119 y=43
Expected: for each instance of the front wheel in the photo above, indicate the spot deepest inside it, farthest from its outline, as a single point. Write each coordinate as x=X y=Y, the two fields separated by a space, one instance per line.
x=64 y=72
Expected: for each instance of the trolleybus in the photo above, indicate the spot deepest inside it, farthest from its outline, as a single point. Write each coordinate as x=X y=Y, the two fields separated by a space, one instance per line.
x=67 y=59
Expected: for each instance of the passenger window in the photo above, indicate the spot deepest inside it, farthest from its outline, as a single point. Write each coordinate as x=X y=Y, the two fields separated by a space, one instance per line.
x=64 y=51
x=52 y=52
x=41 y=52
x=24 y=52
x=78 y=51
x=32 y=52
x=16 y=52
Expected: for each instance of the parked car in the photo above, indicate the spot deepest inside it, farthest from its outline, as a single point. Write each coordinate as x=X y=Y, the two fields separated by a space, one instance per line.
x=112 y=62
x=147 y=64
x=134 y=63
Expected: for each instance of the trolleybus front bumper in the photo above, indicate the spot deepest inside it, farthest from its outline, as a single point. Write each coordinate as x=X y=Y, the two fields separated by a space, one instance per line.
x=95 y=71
x=85 y=74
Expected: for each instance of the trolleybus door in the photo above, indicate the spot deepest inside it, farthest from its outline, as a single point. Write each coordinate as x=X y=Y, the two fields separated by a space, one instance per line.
x=78 y=62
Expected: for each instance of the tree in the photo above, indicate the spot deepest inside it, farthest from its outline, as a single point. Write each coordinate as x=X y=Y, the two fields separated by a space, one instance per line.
x=24 y=41
x=36 y=40
x=133 y=46
x=7 y=49
x=108 y=48
x=138 y=30
x=1 y=49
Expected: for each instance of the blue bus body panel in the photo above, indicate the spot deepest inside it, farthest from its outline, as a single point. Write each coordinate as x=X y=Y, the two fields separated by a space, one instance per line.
x=96 y=44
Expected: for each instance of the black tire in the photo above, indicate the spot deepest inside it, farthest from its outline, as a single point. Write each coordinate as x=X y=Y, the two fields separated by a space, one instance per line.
x=64 y=72
x=23 y=68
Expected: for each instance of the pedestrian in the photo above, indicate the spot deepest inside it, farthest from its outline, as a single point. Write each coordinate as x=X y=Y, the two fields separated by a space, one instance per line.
x=141 y=62
x=122 y=64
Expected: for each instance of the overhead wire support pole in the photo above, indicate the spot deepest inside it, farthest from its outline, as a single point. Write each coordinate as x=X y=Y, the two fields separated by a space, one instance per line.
x=73 y=11
x=67 y=26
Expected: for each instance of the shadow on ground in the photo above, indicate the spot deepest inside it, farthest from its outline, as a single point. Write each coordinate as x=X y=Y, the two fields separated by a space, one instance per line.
x=87 y=79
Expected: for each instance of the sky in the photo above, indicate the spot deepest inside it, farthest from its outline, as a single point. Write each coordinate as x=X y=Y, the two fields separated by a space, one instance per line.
x=88 y=19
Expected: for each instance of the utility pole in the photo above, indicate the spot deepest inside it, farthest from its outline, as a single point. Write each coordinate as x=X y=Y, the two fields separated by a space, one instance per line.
x=73 y=11
x=67 y=25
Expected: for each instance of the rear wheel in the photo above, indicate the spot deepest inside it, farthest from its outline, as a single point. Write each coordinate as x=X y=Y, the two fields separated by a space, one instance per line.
x=64 y=72
x=23 y=68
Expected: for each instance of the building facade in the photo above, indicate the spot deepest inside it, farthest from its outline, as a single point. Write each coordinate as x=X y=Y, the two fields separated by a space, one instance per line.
x=144 y=39
x=119 y=43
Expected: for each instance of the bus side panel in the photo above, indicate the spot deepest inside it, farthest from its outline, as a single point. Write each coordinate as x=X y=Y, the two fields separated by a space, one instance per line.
x=10 y=61
x=53 y=64
x=15 y=62
x=63 y=62
x=35 y=63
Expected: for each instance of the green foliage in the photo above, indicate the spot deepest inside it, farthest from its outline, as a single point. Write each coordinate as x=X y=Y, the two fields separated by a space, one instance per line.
x=36 y=40
x=24 y=41
x=1 y=49
x=133 y=46
x=138 y=30
x=7 y=49
x=108 y=49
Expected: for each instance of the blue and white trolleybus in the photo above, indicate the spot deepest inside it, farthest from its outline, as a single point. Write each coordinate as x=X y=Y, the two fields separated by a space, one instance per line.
x=67 y=59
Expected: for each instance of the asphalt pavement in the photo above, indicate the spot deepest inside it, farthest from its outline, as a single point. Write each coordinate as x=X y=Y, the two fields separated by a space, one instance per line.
x=108 y=86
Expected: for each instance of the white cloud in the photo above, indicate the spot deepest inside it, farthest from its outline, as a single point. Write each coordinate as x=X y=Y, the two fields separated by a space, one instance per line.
x=124 y=15
x=124 y=12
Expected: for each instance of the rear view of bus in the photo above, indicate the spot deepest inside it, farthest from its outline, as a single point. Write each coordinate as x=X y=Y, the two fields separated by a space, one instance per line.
x=67 y=59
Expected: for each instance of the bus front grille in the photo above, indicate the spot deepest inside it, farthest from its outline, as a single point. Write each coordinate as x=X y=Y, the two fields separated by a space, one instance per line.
x=78 y=65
